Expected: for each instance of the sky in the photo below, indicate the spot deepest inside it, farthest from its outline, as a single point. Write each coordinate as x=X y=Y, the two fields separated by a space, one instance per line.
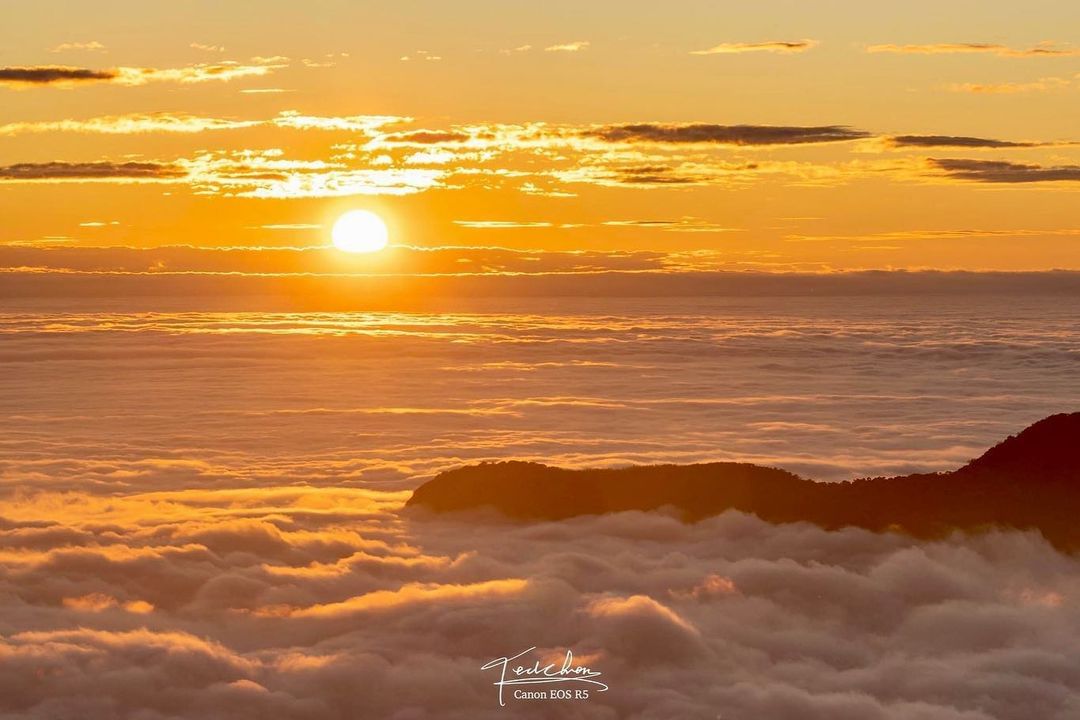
x=778 y=136
x=203 y=465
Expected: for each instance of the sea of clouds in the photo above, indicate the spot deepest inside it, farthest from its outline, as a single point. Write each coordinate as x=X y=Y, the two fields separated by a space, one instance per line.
x=829 y=388
x=298 y=603
x=200 y=512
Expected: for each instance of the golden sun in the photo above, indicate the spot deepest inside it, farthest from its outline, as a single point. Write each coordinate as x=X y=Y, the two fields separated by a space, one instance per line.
x=359 y=231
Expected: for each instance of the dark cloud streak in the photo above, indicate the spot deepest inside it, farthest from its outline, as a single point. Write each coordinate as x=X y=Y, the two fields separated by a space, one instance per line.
x=955 y=141
x=725 y=134
x=426 y=137
x=49 y=74
x=999 y=171
x=90 y=171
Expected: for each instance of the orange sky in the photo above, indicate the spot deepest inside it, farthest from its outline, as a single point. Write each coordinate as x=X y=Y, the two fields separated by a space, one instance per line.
x=693 y=135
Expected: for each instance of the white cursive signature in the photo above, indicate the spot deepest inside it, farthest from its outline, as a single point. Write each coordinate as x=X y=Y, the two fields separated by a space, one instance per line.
x=537 y=674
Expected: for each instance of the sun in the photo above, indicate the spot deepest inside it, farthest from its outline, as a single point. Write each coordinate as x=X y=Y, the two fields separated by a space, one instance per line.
x=359 y=231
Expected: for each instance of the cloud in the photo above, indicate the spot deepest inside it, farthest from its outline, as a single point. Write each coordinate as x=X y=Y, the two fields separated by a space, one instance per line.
x=349 y=123
x=88 y=171
x=258 y=174
x=501 y=224
x=408 y=594
x=99 y=602
x=132 y=124
x=423 y=55
x=724 y=134
x=91 y=46
x=326 y=261
x=425 y=137
x=576 y=46
x=207 y=48
x=940 y=234
x=266 y=175
x=998 y=171
x=653 y=175
x=954 y=141
x=291 y=226
x=686 y=224
x=1041 y=50
x=781 y=620
x=1046 y=84
x=223 y=71
x=52 y=74
x=383 y=155
x=770 y=46
x=165 y=122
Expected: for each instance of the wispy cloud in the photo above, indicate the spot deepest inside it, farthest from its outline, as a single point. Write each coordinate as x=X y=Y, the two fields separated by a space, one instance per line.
x=518 y=49
x=315 y=260
x=291 y=226
x=501 y=224
x=725 y=134
x=426 y=137
x=164 y=122
x=59 y=75
x=129 y=125
x=422 y=55
x=348 y=123
x=770 y=46
x=91 y=46
x=207 y=48
x=61 y=171
x=266 y=174
x=923 y=141
x=223 y=71
x=575 y=46
x=938 y=234
x=1046 y=84
x=688 y=224
x=52 y=75
x=1041 y=50
x=998 y=171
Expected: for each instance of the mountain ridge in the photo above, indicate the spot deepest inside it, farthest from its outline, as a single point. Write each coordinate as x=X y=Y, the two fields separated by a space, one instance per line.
x=1030 y=480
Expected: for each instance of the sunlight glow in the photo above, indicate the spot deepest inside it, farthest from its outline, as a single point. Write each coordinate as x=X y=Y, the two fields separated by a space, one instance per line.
x=360 y=231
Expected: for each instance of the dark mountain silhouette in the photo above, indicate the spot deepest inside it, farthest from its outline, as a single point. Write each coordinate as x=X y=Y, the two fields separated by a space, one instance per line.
x=1029 y=481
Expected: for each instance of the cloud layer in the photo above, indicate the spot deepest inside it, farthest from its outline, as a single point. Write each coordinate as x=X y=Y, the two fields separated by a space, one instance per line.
x=392 y=155
x=249 y=604
x=199 y=510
